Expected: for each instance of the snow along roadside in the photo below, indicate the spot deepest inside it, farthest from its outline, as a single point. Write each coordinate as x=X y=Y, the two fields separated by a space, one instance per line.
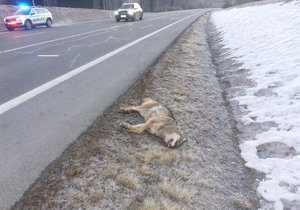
x=263 y=44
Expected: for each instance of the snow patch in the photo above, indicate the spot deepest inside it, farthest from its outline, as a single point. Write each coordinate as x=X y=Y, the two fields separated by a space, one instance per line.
x=266 y=40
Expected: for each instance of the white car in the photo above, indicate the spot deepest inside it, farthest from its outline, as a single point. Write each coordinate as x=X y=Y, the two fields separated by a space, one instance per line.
x=28 y=17
x=129 y=11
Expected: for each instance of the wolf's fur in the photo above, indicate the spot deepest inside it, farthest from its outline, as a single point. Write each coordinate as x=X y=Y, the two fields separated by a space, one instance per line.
x=158 y=121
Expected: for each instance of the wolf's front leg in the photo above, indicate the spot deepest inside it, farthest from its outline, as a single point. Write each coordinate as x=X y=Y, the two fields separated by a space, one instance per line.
x=129 y=109
x=139 y=129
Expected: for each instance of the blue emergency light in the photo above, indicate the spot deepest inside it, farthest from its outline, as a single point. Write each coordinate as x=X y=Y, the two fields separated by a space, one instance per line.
x=23 y=6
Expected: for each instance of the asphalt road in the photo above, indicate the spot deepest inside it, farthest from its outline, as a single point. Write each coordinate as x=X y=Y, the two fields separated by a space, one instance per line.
x=55 y=82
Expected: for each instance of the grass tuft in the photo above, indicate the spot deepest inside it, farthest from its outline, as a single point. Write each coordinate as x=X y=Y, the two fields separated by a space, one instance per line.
x=149 y=205
x=179 y=98
x=204 y=183
x=111 y=171
x=127 y=180
x=73 y=171
x=164 y=155
x=180 y=91
x=242 y=203
x=146 y=157
x=145 y=170
x=96 y=197
x=167 y=158
x=182 y=175
x=189 y=157
x=158 y=205
x=175 y=192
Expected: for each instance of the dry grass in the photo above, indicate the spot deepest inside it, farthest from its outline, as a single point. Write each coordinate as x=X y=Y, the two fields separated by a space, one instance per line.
x=180 y=91
x=182 y=175
x=166 y=205
x=79 y=198
x=177 y=111
x=189 y=157
x=164 y=155
x=206 y=127
x=145 y=170
x=179 y=98
x=158 y=205
x=184 y=49
x=149 y=205
x=242 y=203
x=191 y=63
x=111 y=172
x=175 y=192
x=167 y=158
x=191 y=110
x=96 y=197
x=204 y=183
x=73 y=171
x=146 y=157
x=127 y=180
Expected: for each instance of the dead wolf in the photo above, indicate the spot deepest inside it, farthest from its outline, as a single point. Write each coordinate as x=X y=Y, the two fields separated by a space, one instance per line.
x=159 y=121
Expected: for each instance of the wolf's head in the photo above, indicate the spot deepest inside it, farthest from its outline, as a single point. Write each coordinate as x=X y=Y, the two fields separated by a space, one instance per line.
x=174 y=140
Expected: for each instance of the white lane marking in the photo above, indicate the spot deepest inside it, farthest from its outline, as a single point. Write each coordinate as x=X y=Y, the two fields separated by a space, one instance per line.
x=74 y=60
x=60 y=39
x=32 y=93
x=148 y=26
x=48 y=56
x=29 y=34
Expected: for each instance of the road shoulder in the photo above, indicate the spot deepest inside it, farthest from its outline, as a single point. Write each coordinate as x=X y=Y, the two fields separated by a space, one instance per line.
x=109 y=168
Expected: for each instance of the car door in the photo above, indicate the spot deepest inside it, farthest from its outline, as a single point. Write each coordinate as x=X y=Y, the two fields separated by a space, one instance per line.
x=137 y=11
x=43 y=16
x=34 y=16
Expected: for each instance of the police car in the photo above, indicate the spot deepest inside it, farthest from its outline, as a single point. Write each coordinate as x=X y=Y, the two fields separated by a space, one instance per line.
x=28 y=17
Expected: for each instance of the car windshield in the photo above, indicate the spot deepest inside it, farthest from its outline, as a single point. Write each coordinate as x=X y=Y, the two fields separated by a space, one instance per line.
x=127 y=6
x=22 y=12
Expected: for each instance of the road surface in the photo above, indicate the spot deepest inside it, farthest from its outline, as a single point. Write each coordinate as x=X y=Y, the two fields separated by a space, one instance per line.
x=55 y=82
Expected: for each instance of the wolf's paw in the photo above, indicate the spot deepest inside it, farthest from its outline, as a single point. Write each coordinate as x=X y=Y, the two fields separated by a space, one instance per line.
x=172 y=143
x=122 y=110
x=125 y=125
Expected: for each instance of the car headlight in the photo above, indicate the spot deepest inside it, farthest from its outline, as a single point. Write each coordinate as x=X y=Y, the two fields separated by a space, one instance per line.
x=116 y=12
x=130 y=12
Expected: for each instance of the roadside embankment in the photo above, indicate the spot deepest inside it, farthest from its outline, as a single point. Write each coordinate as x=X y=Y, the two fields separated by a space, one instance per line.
x=109 y=168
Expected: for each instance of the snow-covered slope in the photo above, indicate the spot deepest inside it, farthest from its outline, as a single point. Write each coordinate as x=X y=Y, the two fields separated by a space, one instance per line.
x=266 y=40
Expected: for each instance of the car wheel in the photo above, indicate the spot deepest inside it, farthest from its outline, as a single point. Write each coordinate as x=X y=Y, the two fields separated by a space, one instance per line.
x=117 y=19
x=141 y=16
x=49 y=23
x=28 y=25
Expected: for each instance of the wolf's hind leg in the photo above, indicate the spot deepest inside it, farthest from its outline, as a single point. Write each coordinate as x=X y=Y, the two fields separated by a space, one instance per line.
x=139 y=129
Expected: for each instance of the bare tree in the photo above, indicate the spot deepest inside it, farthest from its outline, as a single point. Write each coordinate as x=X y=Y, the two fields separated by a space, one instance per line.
x=50 y=3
